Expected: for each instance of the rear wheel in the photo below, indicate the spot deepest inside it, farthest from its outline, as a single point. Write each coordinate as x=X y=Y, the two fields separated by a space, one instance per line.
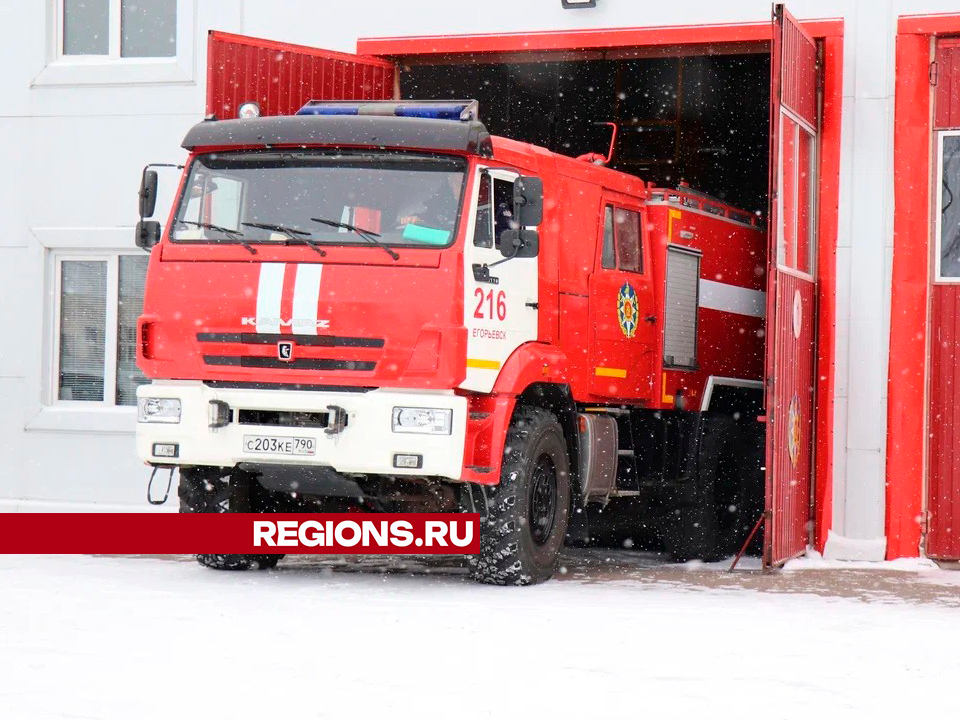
x=204 y=491
x=527 y=513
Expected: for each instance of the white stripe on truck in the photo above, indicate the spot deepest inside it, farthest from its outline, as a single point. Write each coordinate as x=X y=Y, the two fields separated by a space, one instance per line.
x=732 y=299
x=269 y=294
x=306 y=297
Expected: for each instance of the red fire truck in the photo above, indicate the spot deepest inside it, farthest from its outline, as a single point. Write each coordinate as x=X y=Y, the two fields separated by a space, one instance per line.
x=378 y=305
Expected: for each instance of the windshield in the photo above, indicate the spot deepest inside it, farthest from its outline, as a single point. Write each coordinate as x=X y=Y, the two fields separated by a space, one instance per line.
x=334 y=198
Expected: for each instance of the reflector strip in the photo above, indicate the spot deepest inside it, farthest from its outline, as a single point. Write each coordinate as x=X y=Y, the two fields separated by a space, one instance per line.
x=610 y=372
x=732 y=299
x=306 y=296
x=269 y=293
x=664 y=397
x=483 y=364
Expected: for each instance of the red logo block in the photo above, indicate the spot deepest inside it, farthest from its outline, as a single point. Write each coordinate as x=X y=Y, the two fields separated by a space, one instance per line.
x=240 y=533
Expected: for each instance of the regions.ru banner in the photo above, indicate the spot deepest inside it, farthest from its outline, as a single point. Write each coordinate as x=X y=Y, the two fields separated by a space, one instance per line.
x=240 y=533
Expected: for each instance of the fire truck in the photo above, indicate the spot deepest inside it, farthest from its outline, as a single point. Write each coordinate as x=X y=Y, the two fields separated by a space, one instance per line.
x=380 y=306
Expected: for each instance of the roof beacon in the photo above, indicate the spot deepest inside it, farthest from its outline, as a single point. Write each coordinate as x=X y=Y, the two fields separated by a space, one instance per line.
x=462 y=110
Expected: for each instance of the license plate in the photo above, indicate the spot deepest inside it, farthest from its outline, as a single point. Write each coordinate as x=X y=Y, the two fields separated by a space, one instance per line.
x=271 y=445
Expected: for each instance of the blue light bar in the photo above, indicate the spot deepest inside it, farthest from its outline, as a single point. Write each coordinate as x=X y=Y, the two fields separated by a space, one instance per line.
x=439 y=112
x=316 y=110
x=459 y=110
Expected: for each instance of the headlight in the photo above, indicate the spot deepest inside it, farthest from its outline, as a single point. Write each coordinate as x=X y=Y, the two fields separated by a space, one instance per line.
x=428 y=421
x=158 y=410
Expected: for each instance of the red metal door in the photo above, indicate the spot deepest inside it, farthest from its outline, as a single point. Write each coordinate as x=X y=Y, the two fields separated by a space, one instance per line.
x=283 y=77
x=791 y=289
x=943 y=460
x=622 y=334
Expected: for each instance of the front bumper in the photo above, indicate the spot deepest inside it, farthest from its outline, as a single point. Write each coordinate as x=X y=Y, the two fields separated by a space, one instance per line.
x=367 y=445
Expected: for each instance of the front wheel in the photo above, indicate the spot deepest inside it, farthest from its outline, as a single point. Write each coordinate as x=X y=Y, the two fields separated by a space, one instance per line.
x=204 y=492
x=527 y=513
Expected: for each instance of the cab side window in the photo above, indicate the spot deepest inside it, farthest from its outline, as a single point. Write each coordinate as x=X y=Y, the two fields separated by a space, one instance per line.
x=627 y=224
x=608 y=259
x=502 y=208
x=494 y=211
x=483 y=233
x=622 y=245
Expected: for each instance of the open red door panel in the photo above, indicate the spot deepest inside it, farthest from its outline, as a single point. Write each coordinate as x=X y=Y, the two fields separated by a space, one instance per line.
x=281 y=77
x=791 y=288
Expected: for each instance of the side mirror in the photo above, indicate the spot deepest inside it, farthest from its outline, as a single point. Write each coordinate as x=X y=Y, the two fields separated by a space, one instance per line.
x=147 y=234
x=148 y=193
x=519 y=243
x=528 y=201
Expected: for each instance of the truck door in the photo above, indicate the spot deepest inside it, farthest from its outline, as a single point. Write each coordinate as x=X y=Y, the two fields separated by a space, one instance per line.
x=622 y=322
x=500 y=305
x=281 y=77
x=791 y=288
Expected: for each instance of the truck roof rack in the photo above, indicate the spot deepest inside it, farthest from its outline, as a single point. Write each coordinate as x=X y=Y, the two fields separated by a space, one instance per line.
x=462 y=110
x=685 y=196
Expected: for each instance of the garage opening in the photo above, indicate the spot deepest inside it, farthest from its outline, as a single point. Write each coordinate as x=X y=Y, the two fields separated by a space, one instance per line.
x=700 y=119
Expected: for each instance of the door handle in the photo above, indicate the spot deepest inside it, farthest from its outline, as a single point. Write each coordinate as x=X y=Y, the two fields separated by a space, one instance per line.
x=532 y=305
x=650 y=318
x=481 y=274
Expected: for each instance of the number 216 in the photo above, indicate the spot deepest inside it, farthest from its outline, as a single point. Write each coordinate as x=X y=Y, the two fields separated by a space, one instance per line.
x=486 y=298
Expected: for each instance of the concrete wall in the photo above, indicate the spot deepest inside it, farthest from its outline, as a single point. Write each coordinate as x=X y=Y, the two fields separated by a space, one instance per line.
x=76 y=136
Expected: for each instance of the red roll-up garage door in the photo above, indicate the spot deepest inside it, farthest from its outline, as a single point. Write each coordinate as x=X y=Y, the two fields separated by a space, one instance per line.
x=281 y=77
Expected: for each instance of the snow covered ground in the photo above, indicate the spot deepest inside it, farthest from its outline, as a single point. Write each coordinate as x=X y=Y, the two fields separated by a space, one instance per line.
x=623 y=637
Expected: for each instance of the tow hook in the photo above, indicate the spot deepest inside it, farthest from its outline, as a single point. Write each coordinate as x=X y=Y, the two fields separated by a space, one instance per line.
x=338 y=421
x=150 y=486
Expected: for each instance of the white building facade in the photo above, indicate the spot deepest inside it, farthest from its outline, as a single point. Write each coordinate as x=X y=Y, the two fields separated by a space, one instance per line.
x=92 y=90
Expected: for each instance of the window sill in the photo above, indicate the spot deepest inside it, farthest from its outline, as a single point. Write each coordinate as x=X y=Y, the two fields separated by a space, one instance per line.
x=68 y=418
x=79 y=70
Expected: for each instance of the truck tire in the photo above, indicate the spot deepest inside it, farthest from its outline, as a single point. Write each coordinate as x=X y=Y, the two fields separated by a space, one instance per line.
x=526 y=516
x=201 y=492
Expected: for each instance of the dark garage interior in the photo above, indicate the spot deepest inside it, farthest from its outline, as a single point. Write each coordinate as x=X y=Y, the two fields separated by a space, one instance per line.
x=701 y=119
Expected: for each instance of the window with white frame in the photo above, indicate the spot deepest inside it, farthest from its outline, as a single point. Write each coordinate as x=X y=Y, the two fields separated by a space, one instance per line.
x=796 y=231
x=97 y=302
x=948 y=219
x=118 y=28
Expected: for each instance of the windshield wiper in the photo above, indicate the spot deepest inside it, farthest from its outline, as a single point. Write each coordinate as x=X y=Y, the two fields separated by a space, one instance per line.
x=231 y=234
x=294 y=236
x=367 y=235
x=313 y=244
x=288 y=231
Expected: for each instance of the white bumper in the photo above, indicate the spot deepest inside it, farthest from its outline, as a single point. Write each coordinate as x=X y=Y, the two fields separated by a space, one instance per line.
x=366 y=445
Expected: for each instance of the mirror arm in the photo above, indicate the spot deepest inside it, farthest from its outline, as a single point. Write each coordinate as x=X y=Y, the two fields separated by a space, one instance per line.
x=516 y=251
x=173 y=165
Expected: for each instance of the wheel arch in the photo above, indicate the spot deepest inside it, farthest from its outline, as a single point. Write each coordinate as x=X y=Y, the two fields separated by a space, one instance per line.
x=558 y=399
